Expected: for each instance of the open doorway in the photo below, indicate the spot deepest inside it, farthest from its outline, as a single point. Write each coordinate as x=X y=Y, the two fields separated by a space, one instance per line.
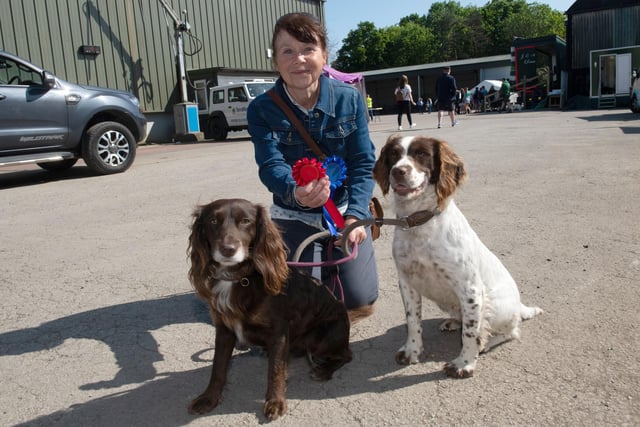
x=607 y=75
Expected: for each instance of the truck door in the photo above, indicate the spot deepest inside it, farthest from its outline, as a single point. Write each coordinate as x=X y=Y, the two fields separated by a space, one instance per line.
x=32 y=115
x=237 y=109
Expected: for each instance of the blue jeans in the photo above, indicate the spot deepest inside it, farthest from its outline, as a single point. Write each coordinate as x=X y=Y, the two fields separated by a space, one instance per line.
x=359 y=276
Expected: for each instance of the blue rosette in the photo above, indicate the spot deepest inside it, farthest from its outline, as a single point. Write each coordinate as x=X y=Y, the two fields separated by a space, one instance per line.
x=336 y=171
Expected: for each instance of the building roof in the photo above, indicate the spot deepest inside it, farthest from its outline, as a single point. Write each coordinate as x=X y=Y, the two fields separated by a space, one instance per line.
x=437 y=65
x=582 y=6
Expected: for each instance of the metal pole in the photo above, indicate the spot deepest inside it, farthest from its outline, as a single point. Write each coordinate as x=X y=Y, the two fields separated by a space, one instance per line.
x=178 y=28
x=181 y=67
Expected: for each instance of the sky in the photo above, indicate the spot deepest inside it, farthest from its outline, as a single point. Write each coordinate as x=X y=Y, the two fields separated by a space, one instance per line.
x=342 y=16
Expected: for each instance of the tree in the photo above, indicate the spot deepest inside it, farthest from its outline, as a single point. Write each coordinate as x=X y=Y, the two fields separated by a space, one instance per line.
x=536 y=20
x=473 y=40
x=362 y=49
x=408 y=44
x=415 y=18
x=446 y=21
x=448 y=32
x=494 y=16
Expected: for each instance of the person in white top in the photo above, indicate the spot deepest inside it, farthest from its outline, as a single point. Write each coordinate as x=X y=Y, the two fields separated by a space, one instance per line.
x=404 y=100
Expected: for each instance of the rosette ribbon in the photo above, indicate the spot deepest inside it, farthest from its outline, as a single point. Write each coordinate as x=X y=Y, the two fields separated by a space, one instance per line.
x=306 y=170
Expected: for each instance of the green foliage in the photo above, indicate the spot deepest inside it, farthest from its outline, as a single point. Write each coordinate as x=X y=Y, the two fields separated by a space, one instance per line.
x=408 y=44
x=447 y=32
x=362 y=49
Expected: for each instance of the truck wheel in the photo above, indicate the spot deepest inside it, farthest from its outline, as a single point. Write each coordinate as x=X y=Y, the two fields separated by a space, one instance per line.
x=57 y=166
x=108 y=147
x=218 y=129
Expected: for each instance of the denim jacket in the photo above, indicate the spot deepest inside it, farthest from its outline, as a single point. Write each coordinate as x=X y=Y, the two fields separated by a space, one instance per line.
x=338 y=123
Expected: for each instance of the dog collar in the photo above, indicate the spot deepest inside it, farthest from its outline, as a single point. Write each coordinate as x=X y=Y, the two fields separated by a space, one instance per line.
x=234 y=276
x=418 y=218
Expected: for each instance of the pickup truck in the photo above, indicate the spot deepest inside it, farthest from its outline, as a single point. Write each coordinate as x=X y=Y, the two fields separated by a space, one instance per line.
x=54 y=123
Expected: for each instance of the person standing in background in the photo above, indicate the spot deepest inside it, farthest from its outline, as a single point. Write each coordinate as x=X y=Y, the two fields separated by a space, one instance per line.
x=370 y=107
x=505 y=93
x=446 y=93
x=404 y=100
x=467 y=101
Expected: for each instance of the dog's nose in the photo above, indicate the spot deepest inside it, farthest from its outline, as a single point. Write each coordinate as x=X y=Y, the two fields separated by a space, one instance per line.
x=228 y=249
x=400 y=171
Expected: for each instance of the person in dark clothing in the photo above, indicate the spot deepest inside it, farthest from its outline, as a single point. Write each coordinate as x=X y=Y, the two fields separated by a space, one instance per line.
x=446 y=95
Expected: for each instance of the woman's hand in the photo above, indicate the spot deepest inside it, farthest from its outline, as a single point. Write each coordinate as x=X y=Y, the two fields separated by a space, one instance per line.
x=314 y=194
x=357 y=235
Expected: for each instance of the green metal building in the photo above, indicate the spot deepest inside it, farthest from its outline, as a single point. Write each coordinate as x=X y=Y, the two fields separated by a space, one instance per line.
x=130 y=44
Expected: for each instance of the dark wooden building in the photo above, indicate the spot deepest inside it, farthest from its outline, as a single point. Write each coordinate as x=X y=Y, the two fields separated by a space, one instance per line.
x=603 y=47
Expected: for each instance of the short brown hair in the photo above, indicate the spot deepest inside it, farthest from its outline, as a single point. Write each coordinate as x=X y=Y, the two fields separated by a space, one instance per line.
x=304 y=27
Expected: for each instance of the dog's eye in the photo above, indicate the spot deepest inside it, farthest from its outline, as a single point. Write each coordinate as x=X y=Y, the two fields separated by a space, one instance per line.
x=421 y=154
x=213 y=221
x=245 y=221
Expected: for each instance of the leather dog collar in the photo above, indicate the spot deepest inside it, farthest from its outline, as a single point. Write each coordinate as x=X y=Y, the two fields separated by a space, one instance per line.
x=418 y=218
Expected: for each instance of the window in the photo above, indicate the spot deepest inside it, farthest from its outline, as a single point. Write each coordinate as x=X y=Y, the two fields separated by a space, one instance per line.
x=14 y=73
x=217 y=97
x=201 y=93
x=237 y=94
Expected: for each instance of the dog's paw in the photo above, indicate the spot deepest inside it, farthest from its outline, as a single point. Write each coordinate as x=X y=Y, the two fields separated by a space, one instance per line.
x=203 y=404
x=408 y=355
x=275 y=408
x=458 y=369
x=450 y=325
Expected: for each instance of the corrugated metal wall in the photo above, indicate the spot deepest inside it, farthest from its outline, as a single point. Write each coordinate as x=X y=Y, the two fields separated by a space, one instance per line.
x=137 y=40
x=615 y=28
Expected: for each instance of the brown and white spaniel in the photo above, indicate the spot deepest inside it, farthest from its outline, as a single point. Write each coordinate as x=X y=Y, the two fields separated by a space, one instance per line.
x=238 y=266
x=443 y=259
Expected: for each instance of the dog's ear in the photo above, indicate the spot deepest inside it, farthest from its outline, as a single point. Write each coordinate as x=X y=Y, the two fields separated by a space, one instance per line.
x=452 y=172
x=382 y=168
x=269 y=253
x=199 y=251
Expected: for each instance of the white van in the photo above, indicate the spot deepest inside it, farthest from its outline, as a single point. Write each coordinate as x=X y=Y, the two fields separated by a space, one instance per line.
x=228 y=107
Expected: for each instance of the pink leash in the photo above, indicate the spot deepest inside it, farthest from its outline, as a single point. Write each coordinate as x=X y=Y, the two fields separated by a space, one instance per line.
x=335 y=282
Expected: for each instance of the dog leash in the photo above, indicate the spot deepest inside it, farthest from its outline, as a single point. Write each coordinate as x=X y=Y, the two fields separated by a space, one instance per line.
x=406 y=222
x=335 y=277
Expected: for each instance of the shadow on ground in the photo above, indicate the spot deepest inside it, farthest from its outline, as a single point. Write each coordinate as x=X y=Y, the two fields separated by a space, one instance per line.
x=162 y=398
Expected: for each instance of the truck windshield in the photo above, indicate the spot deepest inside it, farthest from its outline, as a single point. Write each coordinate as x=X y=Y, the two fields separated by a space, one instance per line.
x=256 y=89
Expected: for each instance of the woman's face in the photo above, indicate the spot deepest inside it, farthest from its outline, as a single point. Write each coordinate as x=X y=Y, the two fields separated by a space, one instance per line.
x=299 y=63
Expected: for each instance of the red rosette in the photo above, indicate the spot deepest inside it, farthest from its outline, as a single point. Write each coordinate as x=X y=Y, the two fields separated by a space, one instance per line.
x=306 y=170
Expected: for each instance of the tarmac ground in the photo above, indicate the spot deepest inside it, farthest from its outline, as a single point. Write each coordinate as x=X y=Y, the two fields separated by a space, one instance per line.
x=100 y=327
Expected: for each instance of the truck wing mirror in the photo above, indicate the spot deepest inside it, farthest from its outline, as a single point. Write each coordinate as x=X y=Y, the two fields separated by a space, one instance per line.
x=48 y=80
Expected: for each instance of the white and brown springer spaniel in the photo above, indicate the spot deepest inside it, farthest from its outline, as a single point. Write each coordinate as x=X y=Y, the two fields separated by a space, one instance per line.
x=441 y=257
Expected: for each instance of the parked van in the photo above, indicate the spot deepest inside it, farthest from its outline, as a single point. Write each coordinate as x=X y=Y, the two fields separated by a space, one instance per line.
x=228 y=107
